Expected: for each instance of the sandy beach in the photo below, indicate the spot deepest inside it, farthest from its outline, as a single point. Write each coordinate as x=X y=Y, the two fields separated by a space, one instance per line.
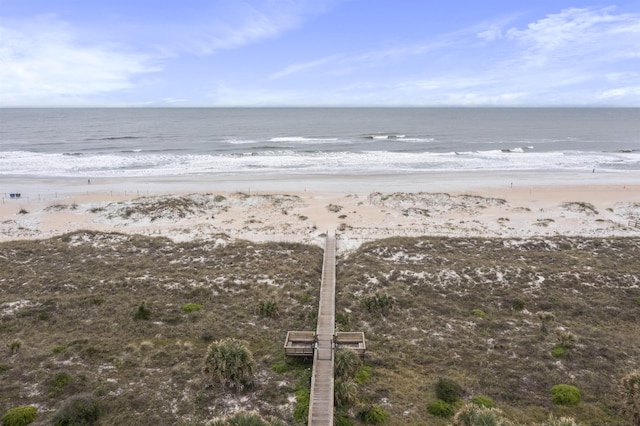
x=302 y=208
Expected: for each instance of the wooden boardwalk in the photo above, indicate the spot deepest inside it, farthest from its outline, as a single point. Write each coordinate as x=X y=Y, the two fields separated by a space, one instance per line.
x=321 y=401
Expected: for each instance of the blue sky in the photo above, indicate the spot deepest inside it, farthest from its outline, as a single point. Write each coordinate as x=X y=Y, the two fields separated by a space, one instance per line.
x=319 y=53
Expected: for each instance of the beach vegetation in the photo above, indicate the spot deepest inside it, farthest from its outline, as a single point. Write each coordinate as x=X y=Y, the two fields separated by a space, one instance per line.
x=190 y=307
x=334 y=208
x=345 y=392
x=545 y=318
x=347 y=364
x=14 y=346
x=49 y=288
x=518 y=304
x=379 y=303
x=479 y=313
x=440 y=408
x=143 y=312
x=565 y=395
x=20 y=416
x=82 y=409
x=301 y=409
x=268 y=308
x=629 y=391
x=476 y=415
x=230 y=363
x=373 y=415
x=448 y=390
x=482 y=401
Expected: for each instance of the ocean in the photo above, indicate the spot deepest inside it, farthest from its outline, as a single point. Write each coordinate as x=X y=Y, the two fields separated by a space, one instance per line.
x=134 y=142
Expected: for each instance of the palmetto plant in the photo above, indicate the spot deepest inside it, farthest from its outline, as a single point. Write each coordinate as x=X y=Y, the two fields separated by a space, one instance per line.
x=345 y=392
x=347 y=364
x=629 y=389
x=229 y=362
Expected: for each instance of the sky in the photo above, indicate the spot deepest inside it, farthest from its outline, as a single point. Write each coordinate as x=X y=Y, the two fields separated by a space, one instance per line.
x=319 y=53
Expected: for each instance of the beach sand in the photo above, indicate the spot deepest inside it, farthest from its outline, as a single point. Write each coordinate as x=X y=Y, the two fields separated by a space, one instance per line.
x=302 y=208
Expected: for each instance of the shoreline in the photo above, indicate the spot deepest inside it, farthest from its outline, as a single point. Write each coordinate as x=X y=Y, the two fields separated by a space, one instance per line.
x=299 y=208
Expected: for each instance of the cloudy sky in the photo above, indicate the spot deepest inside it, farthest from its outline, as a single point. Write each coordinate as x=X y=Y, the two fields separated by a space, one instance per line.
x=319 y=52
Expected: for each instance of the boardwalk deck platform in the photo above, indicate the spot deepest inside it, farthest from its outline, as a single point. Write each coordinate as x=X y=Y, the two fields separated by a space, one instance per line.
x=300 y=343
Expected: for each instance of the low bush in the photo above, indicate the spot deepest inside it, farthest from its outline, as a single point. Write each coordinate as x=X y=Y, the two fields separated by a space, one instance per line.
x=20 y=416
x=440 y=408
x=565 y=395
x=143 y=313
x=482 y=401
x=191 y=307
x=558 y=351
x=518 y=305
x=378 y=303
x=448 y=390
x=301 y=410
x=474 y=415
x=373 y=415
x=479 y=313
x=58 y=383
x=78 y=410
x=562 y=421
x=268 y=308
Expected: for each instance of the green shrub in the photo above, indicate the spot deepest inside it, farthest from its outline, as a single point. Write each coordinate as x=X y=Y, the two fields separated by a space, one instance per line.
x=565 y=395
x=20 y=416
x=78 y=410
x=58 y=349
x=301 y=410
x=518 y=305
x=58 y=383
x=558 y=351
x=219 y=198
x=479 y=313
x=143 y=313
x=482 y=401
x=246 y=419
x=364 y=374
x=229 y=362
x=14 y=346
x=373 y=415
x=268 y=308
x=378 y=303
x=191 y=307
x=207 y=335
x=281 y=367
x=341 y=420
x=629 y=391
x=448 y=390
x=440 y=408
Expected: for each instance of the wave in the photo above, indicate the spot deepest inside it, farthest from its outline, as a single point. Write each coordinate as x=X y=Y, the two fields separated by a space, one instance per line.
x=517 y=150
x=23 y=163
x=384 y=136
x=301 y=139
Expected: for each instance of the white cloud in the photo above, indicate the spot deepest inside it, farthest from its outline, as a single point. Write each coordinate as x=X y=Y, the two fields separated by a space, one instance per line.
x=44 y=63
x=595 y=36
x=621 y=92
x=303 y=66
